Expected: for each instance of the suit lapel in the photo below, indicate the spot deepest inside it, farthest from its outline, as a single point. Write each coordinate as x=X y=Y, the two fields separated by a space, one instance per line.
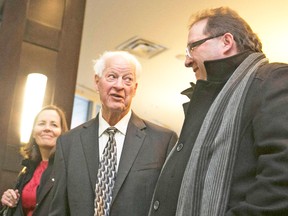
x=89 y=141
x=133 y=141
x=46 y=182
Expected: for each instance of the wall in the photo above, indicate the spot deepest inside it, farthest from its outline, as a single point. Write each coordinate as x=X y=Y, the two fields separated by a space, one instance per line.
x=35 y=36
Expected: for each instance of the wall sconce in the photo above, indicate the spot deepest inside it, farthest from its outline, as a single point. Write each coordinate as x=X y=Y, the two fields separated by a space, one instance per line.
x=33 y=101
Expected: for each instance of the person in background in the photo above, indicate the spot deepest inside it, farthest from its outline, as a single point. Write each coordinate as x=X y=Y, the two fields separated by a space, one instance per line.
x=141 y=148
x=31 y=195
x=232 y=155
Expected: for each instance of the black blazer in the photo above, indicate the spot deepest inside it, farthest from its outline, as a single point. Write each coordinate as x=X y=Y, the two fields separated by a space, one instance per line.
x=146 y=146
x=43 y=195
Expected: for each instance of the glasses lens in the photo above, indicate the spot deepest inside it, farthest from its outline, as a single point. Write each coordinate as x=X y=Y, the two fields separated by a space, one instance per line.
x=188 y=52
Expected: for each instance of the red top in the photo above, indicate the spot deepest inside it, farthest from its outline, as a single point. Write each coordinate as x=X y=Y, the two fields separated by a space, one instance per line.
x=29 y=190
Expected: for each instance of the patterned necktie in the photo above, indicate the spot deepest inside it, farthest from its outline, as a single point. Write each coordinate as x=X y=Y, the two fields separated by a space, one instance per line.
x=106 y=176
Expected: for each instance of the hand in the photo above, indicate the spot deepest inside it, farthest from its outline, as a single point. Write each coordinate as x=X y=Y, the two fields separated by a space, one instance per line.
x=10 y=198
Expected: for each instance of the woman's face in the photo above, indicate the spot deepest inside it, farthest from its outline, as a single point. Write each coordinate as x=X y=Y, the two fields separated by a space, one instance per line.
x=47 y=129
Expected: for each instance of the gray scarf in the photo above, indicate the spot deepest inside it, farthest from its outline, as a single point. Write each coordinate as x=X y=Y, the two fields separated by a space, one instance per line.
x=206 y=182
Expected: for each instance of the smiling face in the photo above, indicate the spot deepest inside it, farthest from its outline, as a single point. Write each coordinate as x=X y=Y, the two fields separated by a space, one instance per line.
x=209 y=50
x=117 y=86
x=47 y=129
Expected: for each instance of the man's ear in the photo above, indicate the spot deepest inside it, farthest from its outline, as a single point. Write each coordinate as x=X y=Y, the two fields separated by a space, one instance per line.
x=96 y=81
x=229 y=44
x=135 y=88
x=228 y=39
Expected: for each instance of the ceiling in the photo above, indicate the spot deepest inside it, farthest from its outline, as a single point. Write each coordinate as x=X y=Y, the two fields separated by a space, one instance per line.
x=109 y=23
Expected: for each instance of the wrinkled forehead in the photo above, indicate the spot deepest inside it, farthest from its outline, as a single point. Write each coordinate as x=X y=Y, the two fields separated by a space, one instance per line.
x=119 y=64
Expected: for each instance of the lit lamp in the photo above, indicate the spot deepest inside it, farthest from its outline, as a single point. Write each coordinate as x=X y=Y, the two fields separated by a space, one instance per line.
x=33 y=101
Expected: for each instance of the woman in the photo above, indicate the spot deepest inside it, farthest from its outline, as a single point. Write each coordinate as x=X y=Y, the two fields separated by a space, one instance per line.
x=31 y=195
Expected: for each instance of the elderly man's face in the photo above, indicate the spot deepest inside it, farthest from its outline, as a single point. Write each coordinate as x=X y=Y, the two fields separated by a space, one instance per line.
x=117 y=86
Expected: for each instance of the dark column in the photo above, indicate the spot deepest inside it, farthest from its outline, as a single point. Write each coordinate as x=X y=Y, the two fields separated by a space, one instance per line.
x=42 y=36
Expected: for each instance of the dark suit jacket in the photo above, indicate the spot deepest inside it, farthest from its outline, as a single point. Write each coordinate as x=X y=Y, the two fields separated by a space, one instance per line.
x=145 y=148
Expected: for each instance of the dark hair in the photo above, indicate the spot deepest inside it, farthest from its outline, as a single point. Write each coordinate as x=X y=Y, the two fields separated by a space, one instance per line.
x=222 y=20
x=31 y=150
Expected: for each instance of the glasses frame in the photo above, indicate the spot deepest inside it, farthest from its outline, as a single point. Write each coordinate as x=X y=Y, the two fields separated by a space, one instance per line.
x=190 y=47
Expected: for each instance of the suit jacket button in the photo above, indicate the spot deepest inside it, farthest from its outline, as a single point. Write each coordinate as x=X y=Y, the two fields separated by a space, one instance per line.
x=156 y=205
x=179 y=147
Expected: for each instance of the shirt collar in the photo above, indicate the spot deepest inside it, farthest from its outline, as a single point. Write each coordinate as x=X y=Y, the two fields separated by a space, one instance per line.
x=121 y=125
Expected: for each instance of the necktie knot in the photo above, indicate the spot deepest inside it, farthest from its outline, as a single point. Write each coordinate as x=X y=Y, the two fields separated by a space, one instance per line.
x=111 y=131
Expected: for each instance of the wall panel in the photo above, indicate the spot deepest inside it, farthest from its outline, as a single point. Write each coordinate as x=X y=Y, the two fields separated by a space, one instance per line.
x=46 y=39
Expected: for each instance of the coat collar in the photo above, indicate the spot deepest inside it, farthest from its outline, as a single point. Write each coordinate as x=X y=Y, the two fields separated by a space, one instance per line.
x=221 y=69
x=89 y=140
x=47 y=181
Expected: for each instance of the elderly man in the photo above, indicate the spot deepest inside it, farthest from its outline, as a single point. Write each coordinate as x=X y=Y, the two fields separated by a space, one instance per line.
x=117 y=178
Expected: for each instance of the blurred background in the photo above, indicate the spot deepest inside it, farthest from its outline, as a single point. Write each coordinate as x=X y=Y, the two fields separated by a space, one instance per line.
x=112 y=25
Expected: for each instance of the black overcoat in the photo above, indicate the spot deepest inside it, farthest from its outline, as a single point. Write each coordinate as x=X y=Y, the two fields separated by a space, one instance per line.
x=260 y=179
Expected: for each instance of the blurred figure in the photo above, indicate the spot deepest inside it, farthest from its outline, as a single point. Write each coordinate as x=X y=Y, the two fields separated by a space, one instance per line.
x=232 y=155
x=83 y=157
x=31 y=195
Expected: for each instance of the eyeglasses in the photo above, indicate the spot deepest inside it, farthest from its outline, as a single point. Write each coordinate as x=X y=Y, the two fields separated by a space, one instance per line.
x=192 y=46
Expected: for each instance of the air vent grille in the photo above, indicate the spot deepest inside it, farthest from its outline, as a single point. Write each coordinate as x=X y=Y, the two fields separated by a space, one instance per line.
x=141 y=47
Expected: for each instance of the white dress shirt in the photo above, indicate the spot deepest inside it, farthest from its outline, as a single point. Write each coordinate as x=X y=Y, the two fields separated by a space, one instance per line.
x=119 y=135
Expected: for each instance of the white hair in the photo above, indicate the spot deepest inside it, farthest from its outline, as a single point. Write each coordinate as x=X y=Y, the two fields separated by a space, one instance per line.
x=99 y=64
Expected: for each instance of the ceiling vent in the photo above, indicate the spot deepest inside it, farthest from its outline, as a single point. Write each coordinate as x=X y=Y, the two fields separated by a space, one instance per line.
x=141 y=47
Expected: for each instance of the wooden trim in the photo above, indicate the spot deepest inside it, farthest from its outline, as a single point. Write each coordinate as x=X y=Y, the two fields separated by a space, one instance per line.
x=42 y=35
